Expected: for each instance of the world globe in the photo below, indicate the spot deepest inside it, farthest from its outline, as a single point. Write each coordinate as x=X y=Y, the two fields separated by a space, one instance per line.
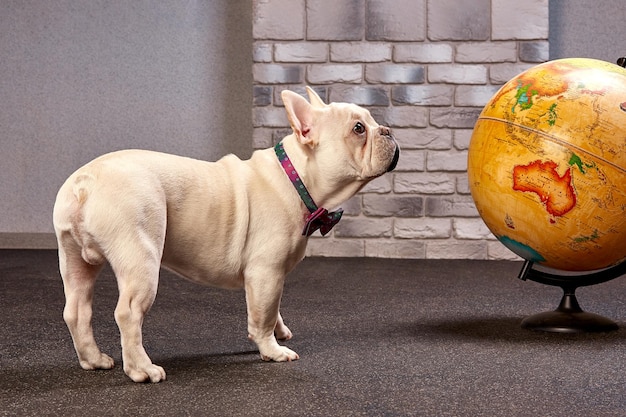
x=547 y=164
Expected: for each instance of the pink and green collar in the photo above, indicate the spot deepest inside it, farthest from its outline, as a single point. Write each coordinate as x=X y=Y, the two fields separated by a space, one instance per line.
x=319 y=218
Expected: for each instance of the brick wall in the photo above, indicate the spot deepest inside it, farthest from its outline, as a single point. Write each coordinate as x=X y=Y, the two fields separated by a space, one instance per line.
x=423 y=67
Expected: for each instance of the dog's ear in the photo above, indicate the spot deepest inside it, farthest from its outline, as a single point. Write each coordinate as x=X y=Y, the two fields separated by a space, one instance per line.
x=315 y=100
x=300 y=115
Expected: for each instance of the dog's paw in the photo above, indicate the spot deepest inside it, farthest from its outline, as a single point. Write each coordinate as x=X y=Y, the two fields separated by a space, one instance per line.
x=149 y=373
x=100 y=361
x=280 y=354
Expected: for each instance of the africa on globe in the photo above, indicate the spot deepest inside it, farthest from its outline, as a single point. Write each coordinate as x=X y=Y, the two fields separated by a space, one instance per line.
x=547 y=164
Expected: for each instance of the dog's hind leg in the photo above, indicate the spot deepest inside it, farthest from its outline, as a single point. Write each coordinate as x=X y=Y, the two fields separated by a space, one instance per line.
x=137 y=276
x=79 y=278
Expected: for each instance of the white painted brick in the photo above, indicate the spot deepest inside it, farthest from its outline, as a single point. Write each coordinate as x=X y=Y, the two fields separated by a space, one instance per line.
x=262 y=95
x=424 y=183
x=502 y=73
x=454 y=117
x=269 y=117
x=398 y=20
x=474 y=95
x=450 y=206
x=401 y=116
x=385 y=205
x=457 y=74
x=437 y=139
x=471 y=229
x=330 y=247
x=455 y=249
x=423 y=95
x=534 y=51
x=446 y=161
x=423 y=53
x=394 y=73
x=363 y=95
x=498 y=251
x=462 y=185
x=514 y=19
x=364 y=227
x=334 y=20
x=477 y=52
x=301 y=52
x=262 y=52
x=277 y=74
x=391 y=248
x=334 y=73
x=422 y=228
x=459 y=20
x=380 y=185
x=411 y=160
x=360 y=52
x=462 y=138
x=278 y=19
x=262 y=138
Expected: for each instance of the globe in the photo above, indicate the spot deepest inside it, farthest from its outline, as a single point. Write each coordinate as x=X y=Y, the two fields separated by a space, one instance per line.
x=547 y=164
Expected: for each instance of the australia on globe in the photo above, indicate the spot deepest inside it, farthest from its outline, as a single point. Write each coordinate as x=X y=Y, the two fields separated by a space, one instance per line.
x=547 y=164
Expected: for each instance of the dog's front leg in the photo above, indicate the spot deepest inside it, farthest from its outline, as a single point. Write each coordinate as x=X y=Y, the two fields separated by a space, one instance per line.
x=263 y=293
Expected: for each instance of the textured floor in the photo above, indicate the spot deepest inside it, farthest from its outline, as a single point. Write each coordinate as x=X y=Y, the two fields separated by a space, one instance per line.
x=376 y=338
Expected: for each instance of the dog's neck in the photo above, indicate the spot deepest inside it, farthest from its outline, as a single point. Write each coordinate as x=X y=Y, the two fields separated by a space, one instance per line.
x=319 y=218
x=322 y=187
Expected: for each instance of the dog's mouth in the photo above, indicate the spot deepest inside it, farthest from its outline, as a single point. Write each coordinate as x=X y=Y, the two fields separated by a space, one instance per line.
x=394 y=160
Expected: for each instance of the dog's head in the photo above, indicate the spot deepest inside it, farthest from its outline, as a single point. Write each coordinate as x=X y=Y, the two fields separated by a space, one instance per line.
x=341 y=141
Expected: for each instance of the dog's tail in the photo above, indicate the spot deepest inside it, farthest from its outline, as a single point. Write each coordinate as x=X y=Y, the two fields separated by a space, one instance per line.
x=68 y=219
x=82 y=185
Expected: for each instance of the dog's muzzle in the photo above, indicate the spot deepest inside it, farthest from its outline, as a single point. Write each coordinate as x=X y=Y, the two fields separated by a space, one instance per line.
x=386 y=132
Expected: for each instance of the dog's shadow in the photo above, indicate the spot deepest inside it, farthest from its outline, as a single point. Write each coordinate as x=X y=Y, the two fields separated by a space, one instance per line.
x=206 y=362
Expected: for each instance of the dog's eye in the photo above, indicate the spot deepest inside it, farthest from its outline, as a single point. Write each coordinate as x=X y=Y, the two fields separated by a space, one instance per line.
x=359 y=129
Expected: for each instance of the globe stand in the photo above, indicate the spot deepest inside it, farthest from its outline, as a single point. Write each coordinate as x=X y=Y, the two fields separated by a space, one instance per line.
x=569 y=317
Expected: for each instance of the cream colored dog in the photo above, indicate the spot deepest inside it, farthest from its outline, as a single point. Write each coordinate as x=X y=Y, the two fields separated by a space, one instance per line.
x=229 y=223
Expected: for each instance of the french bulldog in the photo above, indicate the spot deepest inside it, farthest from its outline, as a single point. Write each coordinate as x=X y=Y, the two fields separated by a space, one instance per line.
x=231 y=223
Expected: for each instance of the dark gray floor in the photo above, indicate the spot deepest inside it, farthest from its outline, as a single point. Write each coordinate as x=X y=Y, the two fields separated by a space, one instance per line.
x=376 y=338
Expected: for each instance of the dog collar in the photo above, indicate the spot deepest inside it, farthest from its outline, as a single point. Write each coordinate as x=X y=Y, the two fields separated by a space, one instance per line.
x=319 y=218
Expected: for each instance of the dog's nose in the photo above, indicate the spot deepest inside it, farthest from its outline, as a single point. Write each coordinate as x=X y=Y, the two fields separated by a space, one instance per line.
x=384 y=131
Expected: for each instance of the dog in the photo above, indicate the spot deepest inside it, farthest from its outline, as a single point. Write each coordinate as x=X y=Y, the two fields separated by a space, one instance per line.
x=231 y=223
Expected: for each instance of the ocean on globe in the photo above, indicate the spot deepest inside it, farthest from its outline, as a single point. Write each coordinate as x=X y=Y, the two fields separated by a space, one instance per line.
x=547 y=164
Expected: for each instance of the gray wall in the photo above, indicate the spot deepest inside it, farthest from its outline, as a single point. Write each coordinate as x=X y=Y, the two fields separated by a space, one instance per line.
x=81 y=78
x=588 y=29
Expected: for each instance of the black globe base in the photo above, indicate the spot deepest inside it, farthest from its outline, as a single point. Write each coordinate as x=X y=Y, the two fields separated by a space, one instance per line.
x=569 y=317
